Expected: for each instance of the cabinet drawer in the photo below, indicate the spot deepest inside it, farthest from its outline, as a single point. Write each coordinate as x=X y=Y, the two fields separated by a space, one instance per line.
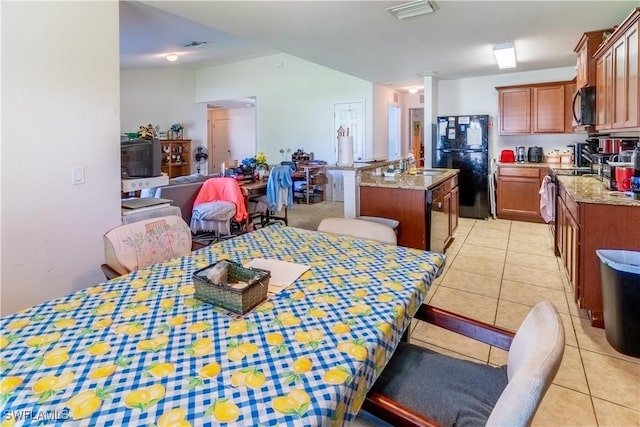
x=519 y=172
x=438 y=192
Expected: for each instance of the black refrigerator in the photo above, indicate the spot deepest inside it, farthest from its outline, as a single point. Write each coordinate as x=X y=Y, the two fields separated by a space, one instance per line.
x=462 y=142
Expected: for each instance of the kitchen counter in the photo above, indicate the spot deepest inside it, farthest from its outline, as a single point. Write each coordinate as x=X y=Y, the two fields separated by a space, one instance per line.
x=405 y=180
x=585 y=189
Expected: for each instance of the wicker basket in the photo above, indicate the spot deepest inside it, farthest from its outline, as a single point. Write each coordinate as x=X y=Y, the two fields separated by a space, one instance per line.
x=237 y=300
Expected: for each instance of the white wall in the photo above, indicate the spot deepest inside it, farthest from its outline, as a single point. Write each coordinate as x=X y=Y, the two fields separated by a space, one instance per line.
x=383 y=97
x=162 y=97
x=242 y=134
x=60 y=108
x=295 y=101
x=478 y=96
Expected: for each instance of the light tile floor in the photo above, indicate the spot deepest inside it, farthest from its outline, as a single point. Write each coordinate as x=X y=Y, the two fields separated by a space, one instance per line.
x=496 y=271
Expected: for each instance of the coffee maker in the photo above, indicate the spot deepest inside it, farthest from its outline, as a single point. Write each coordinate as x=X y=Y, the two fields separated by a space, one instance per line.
x=521 y=154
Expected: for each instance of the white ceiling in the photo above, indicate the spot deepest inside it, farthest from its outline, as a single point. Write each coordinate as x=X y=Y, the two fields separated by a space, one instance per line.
x=361 y=38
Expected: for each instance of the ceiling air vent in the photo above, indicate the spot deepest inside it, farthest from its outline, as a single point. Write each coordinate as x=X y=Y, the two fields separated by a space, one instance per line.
x=411 y=9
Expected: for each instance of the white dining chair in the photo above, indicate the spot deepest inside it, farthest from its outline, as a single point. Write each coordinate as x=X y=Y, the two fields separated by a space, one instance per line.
x=359 y=228
x=137 y=245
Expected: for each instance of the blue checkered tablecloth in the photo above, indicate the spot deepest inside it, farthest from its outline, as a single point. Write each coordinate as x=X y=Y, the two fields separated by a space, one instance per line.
x=142 y=350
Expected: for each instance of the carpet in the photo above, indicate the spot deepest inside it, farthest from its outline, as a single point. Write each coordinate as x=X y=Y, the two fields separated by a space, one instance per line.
x=309 y=216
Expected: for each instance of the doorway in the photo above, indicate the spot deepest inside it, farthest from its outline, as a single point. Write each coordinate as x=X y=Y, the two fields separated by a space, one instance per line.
x=231 y=132
x=351 y=117
x=416 y=130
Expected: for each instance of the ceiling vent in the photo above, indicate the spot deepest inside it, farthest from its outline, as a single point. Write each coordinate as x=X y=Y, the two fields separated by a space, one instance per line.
x=194 y=44
x=414 y=8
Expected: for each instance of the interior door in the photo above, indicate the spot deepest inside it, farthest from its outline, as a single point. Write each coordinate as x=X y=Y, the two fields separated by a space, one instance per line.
x=218 y=143
x=350 y=116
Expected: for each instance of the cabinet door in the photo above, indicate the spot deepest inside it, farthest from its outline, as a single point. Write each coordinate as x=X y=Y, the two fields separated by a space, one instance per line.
x=582 y=63
x=604 y=90
x=515 y=110
x=548 y=109
x=574 y=238
x=517 y=194
x=632 y=116
x=618 y=81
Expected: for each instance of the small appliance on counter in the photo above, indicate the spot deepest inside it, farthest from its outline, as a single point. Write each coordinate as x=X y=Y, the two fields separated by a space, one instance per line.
x=521 y=155
x=599 y=161
x=535 y=155
x=508 y=156
x=583 y=152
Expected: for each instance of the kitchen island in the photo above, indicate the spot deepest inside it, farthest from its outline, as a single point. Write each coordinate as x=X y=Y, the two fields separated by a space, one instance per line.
x=590 y=217
x=425 y=204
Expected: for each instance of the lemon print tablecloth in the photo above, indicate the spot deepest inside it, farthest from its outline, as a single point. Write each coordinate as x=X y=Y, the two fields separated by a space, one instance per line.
x=142 y=350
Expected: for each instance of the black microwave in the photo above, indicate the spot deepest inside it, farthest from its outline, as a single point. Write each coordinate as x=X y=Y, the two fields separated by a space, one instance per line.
x=584 y=107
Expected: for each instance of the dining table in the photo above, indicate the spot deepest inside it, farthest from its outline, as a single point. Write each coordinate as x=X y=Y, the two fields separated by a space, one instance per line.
x=142 y=349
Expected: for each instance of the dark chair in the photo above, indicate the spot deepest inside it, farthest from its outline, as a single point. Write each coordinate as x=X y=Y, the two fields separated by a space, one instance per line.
x=278 y=198
x=419 y=387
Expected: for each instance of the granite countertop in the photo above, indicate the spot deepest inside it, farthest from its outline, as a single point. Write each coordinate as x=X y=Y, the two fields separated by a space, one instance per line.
x=585 y=189
x=407 y=181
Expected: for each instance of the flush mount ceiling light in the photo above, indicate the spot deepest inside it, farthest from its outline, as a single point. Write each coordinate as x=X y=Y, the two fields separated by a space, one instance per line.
x=413 y=90
x=172 y=57
x=411 y=9
x=505 y=54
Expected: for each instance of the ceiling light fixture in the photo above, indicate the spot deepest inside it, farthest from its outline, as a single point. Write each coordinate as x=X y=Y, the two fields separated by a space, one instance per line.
x=411 y=9
x=172 y=57
x=413 y=90
x=505 y=54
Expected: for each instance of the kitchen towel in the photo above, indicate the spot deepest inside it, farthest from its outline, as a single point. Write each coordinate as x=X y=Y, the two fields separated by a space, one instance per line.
x=547 y=199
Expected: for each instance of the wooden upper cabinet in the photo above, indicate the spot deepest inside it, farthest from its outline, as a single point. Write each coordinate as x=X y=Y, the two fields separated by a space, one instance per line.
x=515 y=110
x=548 y=109
x=585 y=64
x=536 y=108
x=617 y=70
x=632 y=104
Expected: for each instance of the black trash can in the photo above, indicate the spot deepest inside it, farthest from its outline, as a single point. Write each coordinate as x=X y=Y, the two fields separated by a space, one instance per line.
x=620 y=282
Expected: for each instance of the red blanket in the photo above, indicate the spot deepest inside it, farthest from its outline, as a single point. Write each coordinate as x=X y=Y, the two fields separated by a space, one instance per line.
x=223 y=189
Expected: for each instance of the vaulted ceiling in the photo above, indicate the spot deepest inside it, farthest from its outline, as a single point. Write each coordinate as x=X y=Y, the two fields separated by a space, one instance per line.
x=362 y=38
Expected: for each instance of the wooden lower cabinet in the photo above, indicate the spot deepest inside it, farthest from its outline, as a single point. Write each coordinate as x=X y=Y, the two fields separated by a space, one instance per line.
x=410 y=208
x=583 y=228
x=517 y=194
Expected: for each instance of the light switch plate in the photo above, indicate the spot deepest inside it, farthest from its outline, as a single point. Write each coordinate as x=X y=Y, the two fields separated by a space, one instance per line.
x=77 y=175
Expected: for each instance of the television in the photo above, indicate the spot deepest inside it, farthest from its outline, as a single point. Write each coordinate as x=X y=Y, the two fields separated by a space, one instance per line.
x=140 y=158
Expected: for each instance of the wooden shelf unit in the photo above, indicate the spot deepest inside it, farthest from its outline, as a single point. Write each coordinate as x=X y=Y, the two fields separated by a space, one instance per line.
x=176 y=157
